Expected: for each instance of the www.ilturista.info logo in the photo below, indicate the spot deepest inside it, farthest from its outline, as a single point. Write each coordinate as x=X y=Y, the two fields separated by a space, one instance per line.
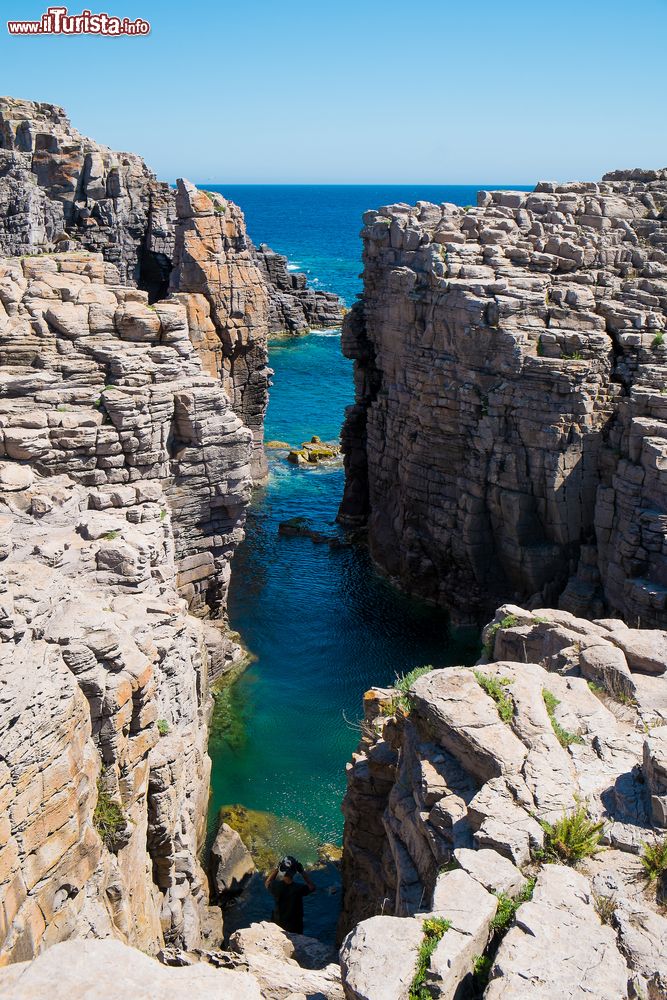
x=57 y=21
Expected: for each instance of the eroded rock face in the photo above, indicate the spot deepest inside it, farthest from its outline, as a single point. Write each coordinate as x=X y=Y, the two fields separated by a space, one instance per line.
x=214 y=258
x=508 y=436
x=446 y=805
x=61 y=191
x=295 y=307
x=124 y=480
x=57 y=185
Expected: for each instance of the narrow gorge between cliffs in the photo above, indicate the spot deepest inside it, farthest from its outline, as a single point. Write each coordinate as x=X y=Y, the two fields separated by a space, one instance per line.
x=321 y=625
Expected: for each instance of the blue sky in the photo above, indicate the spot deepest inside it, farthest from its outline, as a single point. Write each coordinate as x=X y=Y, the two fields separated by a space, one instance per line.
x=362 y=91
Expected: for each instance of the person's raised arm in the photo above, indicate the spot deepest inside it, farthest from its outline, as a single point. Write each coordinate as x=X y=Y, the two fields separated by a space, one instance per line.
x=270 y=879
x=307 y=879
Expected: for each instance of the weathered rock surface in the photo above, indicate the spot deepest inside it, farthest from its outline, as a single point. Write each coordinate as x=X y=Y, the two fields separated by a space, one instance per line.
x=378 y=958
x=124 y=479
x=61 y=191
x=88 y=970
x=509 y=431
x=287 y=965
x=231 y=862
x=447 y=801
x=559 y=946
x=294 y=306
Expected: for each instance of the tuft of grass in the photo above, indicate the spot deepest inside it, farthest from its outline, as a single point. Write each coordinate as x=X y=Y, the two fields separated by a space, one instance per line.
x=495 y=687
x=572 y=838
x=654 y=859
x=110 y=535
x=481 y=970
x=509 y=621
x=658 y=340
x=605 y=907
x=403 y=683
x=564 y=737
x=163 y=514
x=508 y=905
x=162 y=727
x=433 y=928
x=108 y=818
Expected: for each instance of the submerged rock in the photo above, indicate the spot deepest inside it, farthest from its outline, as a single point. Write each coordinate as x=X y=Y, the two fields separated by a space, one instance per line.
x=269 y=837
x=314 y=451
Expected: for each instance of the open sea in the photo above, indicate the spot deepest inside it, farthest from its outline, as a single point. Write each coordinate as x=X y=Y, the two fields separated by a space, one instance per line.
x=322 y=625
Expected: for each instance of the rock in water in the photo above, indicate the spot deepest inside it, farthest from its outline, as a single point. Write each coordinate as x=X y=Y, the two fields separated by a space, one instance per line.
x=231 y=863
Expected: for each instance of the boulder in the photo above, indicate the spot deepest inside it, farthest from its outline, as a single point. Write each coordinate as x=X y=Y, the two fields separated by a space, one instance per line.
x=378 y=959
x=84 y=969
x=231 y=862
x=558 y=946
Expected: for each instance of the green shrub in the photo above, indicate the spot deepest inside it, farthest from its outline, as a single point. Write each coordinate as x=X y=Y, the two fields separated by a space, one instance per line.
x=433 y=928
x=659 y=339
x=495 y=688
x=654 y=859
x=509 y=621
x=108 y=818
x=403 y=683
x=564 y=737
x=481 y=970
x=162 y=727
x=163 y=514
x=508 y=905
x=573 y=837
x=110 y=535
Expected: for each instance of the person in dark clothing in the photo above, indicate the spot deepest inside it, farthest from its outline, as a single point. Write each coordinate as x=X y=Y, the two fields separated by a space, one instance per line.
x=288 y=894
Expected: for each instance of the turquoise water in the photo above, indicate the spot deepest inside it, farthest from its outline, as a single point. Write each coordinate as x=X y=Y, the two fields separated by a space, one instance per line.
x=321 y=623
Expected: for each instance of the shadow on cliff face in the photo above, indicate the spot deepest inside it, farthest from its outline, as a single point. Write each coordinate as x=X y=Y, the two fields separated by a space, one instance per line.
x=154 y=272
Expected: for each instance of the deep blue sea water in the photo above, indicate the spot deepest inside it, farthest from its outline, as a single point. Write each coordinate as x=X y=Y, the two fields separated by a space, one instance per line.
x=321 y=623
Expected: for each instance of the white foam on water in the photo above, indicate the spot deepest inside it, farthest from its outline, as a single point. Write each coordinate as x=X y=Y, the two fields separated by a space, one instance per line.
x=333 y=332
x=293 y=265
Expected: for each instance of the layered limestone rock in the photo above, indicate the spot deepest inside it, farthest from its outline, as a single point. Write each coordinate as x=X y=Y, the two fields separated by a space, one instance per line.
x=124 y=480
x=62 y=191
x=294 y=306
x=57 y=185
x=449 y=800
x=229 y=314
x=509 y=431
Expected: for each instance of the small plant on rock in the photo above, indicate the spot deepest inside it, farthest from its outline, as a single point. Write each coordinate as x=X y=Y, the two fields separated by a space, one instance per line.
x=508 y=905
x=433 y=928
x=572 y=838
x=403 y=683
x=495 y=687
x=654 y=859
x=605 y=907
x=108 y=818
x=509 y=621
x=481 y=970
x=162 y=727
x=110 y=535
x=564 y=737
x=659 y=339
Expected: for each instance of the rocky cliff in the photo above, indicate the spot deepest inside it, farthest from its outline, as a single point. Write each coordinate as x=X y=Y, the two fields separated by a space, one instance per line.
x=452 y=812
x=124 y=479
x=509 y=431
x=61 y=190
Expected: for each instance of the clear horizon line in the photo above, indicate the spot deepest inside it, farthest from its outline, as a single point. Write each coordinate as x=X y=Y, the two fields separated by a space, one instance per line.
x=481 y=187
